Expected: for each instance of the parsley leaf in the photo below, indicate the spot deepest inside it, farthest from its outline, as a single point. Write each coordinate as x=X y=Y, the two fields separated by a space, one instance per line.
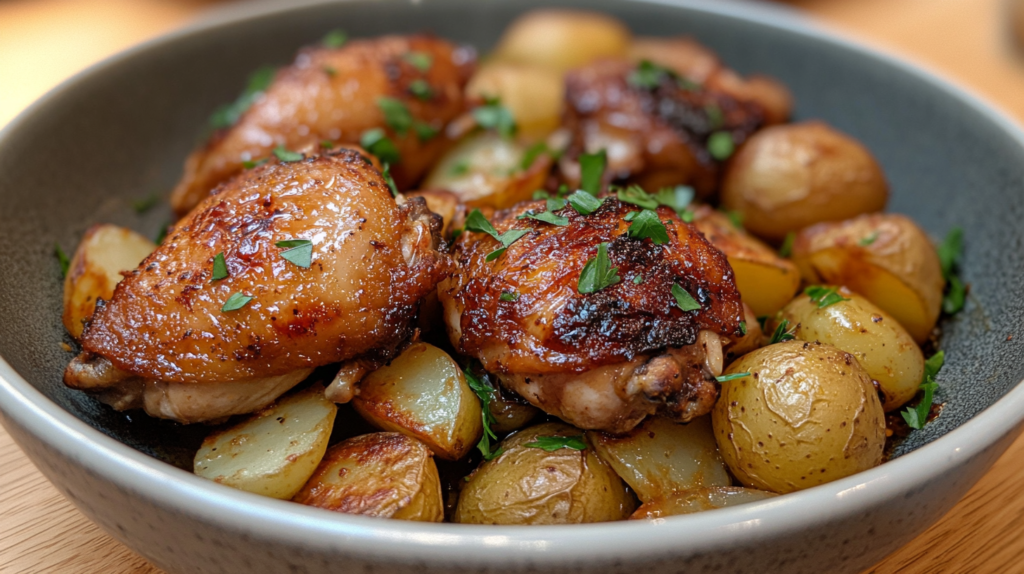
x=421 y=89
x=220 y=267
x=396 y=114
x=162 y=234
x=377 y=142
x=484 y=392
x=62 y=259
x=553 y=443
x=592 y=167
x=647 y=225
x=478 y=223
x=548 y=217
x=865 y=241
x=494 y=116
x=146 y=203
x=583 y=202
x=638 y=279
x=721 y=145
x=824 y=296
x=229 y=114
x=716 y=119
x=782 y=333
x=509 y=296
x=685 y=301
x=424 y=131
x=677 y=198
x=732 y=377
x=327 y=144
x=331 y=72
x=956 y=294
x=787 y=245
x=235 y=302
x=950 y=252
x=735 y=218
x=743 y=327
x=386 y=174
x=636 y=195
x=249 y=164
x=299 y=252
x=283 y=154
x=461 y=167
x=597 y=272
x=334 y=39
x=419 y=60
x=917 y=416
x=649 y=75
x=531 y=155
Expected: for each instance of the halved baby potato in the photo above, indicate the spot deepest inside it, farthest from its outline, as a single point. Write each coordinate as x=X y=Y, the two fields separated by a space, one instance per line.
x=874 y=337
x=765 y=280
x=485 y=169
x=529 y=485
x=886 y=258
x=423 y=393
x=699 y=500
x=534 y=94
x=385 y=475
x=562 y=39
x=95 y=270
x=272 y=452
x=659 y=457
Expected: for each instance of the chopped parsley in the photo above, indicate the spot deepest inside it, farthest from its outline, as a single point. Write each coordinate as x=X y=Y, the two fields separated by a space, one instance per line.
x=249 y=164
x=146 y=203
x=235 y=302
x=162 y=234
x=485 y=393
x=553 y=443
x=327 y=144
x=421 y=89
x=685 y=301
x=548 y=217
x=636 y=195
x=950 y=252
x=676 y=198
x=334 y=39
x=743 y=327
x=62 y=259
x=419 y=60
x=285 y=155
x=220 y=267
x=379 y=144
x=787 y=245
x=478 y=223
x=553 y=203
x=494 y=116
x=646 y=225
x=824 y=296
x=297 y=251
x=716 y=119
x=597 y=272
x=721 y=145
x=782 y=333
x=592 y=167
x=917 y=416
x=865 y=241
x=330 y=71
x=461 y=167
x=509 y=296
x=649 y=75
x=531 y=155
x=638 y=279
x=583 y=202
x=424 y=131
x=386 y=174
x=736 y=218
x=732 y=377
x=229 y=114
x=396 y=114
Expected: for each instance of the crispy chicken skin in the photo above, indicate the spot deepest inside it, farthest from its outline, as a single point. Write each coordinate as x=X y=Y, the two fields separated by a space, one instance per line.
x=372 y=264
x=654 y=136
x=602 y=360
x=332 y=94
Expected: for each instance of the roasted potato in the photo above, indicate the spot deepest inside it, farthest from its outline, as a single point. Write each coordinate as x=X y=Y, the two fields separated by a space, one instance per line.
x=105 y=251
x=272 y=452
x=699 y=500
x=806 y=414
x=659 y=457
x=886 y=258
x=534 y=94
x=423 y=393
x=385 y=475
x=765 y=280
x=527 y=485
x=510 y=411
x=562 y=39
x=486 y=169
x=879 y=343
x=790 y=176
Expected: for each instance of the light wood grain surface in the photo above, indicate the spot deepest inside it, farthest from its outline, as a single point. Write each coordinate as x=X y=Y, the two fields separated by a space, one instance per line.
x=44 y=41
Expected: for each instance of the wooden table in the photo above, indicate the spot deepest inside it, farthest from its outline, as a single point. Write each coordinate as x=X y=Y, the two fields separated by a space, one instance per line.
x=44 y=41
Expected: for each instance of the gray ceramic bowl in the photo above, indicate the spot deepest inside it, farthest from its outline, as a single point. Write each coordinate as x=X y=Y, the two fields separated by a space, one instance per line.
x=120 y=131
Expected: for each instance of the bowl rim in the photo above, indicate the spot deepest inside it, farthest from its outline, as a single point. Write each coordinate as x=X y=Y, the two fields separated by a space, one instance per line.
x=304 y=527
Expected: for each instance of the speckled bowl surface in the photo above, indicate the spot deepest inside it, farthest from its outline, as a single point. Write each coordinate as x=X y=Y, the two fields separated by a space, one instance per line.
x=121 y=130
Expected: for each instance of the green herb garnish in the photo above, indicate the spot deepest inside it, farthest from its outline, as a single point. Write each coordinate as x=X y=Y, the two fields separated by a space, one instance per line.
x=484 y=392
x=531 y=155
x=62 y=259
x=331 y=72
x=220 y=267
x=636 y=195
x=396 y=114
x=424 y=131
x=787 y=245
x=553 y=443
x=743 y=327
x=229 y=114
x=334 y=39
x=297 y=251
x=865 y=241
x=494 y=116
x=583 y=202
x=386 y=174
x=162 y=234
x=549 y=217
x=461 y=167
x=379 y=144
x=955 y=296
x=950 y=252
x=677 y=198
x=646 y=225
x=649 y=75
x=735 y=218
x=685 y=301
x=824 y=296
x=146 y=203
x=235 y=302
x=249 y=164
x=478 y=223
x=782 y=333
x=597 y=272
x=554 y=203
x=592 y=167
x=327 y=144
x=721 y=145
x=716 y=119
x=419 y=60
x=917 y=416
x=421 y=89
x=732 y=377
x=285 y=155
x=509 y=296
x=638 y=279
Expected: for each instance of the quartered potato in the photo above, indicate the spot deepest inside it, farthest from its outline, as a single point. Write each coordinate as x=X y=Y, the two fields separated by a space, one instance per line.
x=526 y=485
x=385 y=475
x=886 y=258
x=534 y=94
x=660 y=457
x=423 y=393
x=486 y=169
x=699 y=500
x=765 y=280
x=787 y=177
x=562 y=39
x=880 y=344
x=806 y=414
x=105 y=251
x=273 y=452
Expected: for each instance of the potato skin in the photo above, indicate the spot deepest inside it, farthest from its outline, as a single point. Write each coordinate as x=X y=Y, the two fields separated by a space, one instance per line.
x=531 y=486
x=562 y=39
x=787 y=177
x=886 y=258
x=699 y=500
x=807 y=414
x=883 y=347
x=386 y=475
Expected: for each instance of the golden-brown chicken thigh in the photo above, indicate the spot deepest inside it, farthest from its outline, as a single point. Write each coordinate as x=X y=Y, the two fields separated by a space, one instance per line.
x=355 y=296
x=335 y=94
x=601 y=360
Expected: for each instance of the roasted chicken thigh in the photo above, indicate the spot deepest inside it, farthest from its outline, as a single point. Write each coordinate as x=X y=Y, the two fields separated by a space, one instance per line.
x=604 y=359
x=223 y=310
x=408 y=86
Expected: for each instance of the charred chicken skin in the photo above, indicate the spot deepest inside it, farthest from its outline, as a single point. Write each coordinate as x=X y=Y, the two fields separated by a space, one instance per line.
x=169 y=340
x=338 y=95
x=656 y=127
x=600 y=360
